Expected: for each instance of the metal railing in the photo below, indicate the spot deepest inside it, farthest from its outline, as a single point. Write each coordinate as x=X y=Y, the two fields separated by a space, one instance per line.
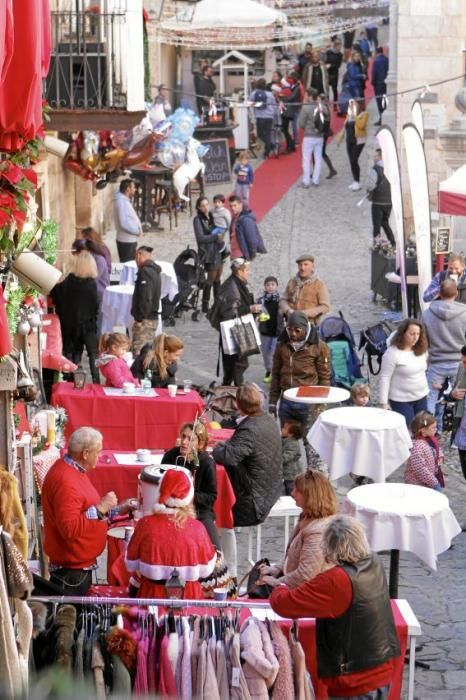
x=87 y=67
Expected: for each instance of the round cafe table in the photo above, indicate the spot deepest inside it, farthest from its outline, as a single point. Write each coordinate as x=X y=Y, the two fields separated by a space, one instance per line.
x=364 y=441
x=335 y=395
x=404 y=517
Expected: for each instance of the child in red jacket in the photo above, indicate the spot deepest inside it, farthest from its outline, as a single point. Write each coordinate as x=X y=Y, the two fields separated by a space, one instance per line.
x=111 y=362
x=423 y=466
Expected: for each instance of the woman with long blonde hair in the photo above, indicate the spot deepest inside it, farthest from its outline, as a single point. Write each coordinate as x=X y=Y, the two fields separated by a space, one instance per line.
x=160 y=359
x=77 y=306
x=171 y=538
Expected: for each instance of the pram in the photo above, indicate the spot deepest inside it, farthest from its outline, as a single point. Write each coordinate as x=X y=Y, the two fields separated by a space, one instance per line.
x=191 y=278
x=346 y=365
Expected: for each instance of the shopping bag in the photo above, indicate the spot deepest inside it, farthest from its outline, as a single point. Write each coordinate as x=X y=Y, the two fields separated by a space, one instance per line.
x=236 y=343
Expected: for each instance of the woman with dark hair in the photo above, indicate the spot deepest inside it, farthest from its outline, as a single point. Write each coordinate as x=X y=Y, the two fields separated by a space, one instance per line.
x=191 y=454
x=90 y=234
x=210 y=244
x=403 y=382
x=291 y=98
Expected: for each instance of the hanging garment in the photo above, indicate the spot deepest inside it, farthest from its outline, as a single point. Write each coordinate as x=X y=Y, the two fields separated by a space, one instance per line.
x=11 y=511
x=10 y=674
x=151 y=663
x=141 y=686
x=304 y=689
x=23 y=641
x=201 y=671
x=121 y=678
x=98 y=665
x=195 y=651
x=221 y=672
x=173 y=649
x=167 y=684
x=210 y=682
x=284 y=686
x=260 y=663
x=186 y=675
x=238 y=686
x=78 y=668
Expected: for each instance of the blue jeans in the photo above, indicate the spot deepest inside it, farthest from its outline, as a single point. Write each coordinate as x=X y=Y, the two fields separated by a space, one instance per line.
x=268 y=345
x=409 y=409
x=437 y=374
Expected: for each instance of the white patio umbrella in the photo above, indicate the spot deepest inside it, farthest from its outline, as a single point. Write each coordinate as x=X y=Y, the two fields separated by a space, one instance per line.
x=211 y=14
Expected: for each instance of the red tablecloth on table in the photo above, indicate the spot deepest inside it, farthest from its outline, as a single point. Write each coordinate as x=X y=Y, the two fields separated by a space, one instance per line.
x=127 y=422
x=123 y=479
x=307 y=637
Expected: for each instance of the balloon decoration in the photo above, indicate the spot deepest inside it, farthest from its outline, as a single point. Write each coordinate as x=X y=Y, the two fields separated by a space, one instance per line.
x=103 y=156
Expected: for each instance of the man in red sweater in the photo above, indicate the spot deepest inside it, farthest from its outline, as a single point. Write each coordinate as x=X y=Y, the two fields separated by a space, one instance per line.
x=75 y=516
x=355 y=630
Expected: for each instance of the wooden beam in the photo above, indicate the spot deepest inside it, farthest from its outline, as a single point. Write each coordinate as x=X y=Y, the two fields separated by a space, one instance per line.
x=95 y=120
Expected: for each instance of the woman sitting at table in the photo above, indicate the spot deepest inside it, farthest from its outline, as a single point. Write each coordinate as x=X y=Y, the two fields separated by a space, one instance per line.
x=171 y=539
x=111 y=362
x=191 y=454
x=403 y=380
x=303 y=559
x=160 y=360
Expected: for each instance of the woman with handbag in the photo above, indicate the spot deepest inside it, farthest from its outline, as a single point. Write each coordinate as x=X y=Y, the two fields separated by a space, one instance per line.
x=303 y=559
x=234 y=300
x=210 y=243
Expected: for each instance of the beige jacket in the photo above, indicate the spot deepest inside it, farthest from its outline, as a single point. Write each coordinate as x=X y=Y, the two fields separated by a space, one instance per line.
x=303 y=558
x=312 y=298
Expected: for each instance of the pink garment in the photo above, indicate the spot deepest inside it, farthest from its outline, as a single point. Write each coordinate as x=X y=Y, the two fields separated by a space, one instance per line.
x=422 y=465
x=141 y=686
x=151 y=678
x=167 y=684
x=116 y=373
x=186 y=675
x=260 y=665
x=284 y=686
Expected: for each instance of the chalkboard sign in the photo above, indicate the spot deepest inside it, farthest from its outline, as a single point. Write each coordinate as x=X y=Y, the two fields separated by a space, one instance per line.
x=443 y=241
x=217 y=161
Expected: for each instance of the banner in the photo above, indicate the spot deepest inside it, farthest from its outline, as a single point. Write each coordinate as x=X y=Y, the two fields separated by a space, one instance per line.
x=417 y=173
x=391 y=168
x=418 y=118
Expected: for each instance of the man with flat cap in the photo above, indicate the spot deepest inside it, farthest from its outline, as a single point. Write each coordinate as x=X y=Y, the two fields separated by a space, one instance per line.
x=145 y=305
x=306 y=292
x=300 y=359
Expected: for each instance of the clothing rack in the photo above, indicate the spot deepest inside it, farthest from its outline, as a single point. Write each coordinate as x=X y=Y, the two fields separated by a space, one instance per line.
x=143 y=602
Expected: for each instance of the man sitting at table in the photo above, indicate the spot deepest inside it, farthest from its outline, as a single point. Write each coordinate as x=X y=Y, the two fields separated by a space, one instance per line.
x=355 y=630
x=146 y=299
x=75 y=516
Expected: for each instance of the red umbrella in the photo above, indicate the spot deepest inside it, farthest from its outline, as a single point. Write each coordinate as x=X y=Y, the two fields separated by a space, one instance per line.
x=6 y=37
x=21 y=88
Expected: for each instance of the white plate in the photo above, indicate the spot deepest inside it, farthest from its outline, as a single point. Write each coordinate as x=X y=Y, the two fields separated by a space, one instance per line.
x=336 y=395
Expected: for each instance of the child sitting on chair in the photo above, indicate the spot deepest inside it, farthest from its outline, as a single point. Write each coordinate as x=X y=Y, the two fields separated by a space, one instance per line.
x=112 y=348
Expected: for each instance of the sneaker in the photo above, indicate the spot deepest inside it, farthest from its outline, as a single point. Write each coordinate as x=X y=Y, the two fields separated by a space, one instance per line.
x=350 y=187
x=303 y=184
x=355 y=186
x=267 y=378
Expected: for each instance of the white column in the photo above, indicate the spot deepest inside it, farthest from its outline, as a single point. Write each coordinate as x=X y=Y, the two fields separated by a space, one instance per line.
x=389 y=116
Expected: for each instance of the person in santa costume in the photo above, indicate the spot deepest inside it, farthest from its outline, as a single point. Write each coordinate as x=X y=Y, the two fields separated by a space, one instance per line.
x=171 y=538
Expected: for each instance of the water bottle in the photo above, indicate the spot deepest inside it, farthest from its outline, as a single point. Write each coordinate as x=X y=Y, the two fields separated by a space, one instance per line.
x=147 y=382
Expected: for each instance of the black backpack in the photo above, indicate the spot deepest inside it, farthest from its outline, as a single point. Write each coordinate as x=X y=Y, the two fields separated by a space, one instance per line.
x=321 y=122
x=374 y=342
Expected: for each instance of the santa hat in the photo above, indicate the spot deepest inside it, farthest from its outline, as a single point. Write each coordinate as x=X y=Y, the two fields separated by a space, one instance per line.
x=176 y=488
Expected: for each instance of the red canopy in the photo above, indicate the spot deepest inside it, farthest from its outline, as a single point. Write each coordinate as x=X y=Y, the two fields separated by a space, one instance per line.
x=452 y=194
x=24 y=61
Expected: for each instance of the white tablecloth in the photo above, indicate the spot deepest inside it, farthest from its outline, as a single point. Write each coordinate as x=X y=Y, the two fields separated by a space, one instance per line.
x=405 y=517
x=116 y=307
x=365 y=441
x=169 y=280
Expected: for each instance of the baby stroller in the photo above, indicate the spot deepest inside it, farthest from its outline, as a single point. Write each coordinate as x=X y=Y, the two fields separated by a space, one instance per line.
x=191 y=278
x=346 y=366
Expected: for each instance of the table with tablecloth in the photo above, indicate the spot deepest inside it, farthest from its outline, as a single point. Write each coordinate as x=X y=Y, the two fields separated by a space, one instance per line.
x=366 y=441
x=404 y=517
x=127 y=422
x=169 y=280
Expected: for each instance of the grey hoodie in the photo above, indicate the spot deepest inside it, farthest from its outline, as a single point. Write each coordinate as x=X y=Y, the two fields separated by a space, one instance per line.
x=445 y=323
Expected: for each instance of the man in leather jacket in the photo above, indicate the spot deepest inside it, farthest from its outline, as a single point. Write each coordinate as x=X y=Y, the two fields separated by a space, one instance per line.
x=355 y=630
x=146 y=299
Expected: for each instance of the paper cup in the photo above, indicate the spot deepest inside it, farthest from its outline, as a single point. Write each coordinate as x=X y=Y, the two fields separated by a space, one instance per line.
x=172 y=390
x=129 y=388
x=220 y=593
x=143 y=455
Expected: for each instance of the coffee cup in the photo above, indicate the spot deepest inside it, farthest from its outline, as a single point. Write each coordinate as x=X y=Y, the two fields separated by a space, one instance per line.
x=129 y=388
x=172 y=390
x=143 y=455
x=220 y=593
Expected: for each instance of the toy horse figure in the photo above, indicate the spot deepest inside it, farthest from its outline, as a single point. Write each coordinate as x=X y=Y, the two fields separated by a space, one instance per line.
x=188 y=172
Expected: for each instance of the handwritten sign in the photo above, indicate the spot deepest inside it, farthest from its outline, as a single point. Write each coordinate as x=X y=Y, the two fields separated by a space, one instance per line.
x=443 y=241
x=7 y=375
x=217 y=161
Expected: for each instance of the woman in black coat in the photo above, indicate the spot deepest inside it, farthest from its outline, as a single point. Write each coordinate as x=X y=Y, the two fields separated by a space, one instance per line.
x=193 y=441
x=76 y=303
x=209 y=246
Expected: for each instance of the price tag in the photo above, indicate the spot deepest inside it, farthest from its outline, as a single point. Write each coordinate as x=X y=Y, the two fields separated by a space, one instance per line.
x=235 y=675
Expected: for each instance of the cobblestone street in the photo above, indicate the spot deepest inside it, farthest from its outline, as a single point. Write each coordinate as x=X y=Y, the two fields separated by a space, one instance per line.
x=327 y=222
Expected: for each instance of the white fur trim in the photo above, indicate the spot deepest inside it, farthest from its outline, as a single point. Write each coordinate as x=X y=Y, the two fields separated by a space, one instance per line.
x=186 y=573
x=162 y=508
x=180 y=502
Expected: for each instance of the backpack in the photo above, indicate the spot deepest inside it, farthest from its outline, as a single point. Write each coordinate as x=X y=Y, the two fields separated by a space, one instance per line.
x=374 y=342
x=260 y=96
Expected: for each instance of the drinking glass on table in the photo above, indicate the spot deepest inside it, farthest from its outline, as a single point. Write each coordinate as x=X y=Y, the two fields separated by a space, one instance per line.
x=187 y=386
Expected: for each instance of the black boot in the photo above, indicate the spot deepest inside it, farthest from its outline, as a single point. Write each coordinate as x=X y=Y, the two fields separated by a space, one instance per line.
x=216 y=289
x=206 y=298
